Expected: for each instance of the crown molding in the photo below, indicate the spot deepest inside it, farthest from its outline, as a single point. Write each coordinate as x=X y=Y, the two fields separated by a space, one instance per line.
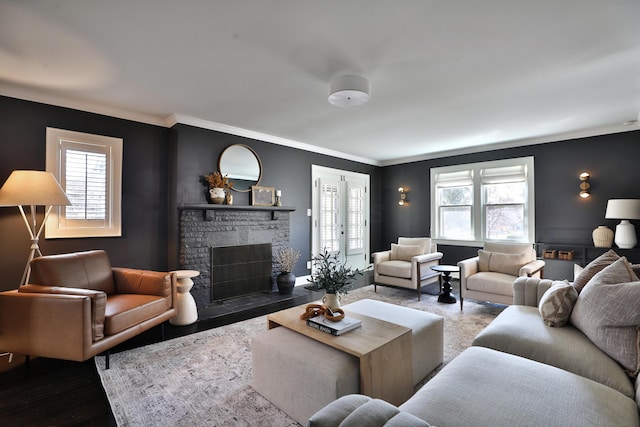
x=566 y=136
x=174 y=119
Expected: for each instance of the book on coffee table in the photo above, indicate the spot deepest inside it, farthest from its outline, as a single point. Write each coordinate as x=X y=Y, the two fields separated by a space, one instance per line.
x=334 y=328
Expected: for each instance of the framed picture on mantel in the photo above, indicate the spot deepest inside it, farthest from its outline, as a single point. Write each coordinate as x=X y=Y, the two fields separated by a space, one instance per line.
x=262 y=196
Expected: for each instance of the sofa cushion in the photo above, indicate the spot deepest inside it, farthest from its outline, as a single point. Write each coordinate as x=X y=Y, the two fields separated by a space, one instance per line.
x=607 y=312
x=520 y=330
x=593 y=268
x=395 y=268
x=483 y=387
x=491 y=282
x=405 y=252
x=501 y=263
x=126 y=310
x=557 y=303
x=355 y=410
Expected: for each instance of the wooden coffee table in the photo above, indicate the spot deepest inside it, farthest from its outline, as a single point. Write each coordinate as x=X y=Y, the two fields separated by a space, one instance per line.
x=383 y=348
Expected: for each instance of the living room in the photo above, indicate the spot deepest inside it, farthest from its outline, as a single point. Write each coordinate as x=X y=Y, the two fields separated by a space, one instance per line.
x=162 y=166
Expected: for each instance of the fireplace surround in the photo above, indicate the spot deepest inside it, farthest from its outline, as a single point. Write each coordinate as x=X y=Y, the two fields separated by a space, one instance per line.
x=203 y=227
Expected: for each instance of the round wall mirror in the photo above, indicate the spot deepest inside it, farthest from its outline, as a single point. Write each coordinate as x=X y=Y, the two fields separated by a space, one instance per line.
x=242 y=165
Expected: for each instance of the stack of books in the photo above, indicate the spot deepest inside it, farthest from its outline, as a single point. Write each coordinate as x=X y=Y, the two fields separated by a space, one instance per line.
x=334 y=328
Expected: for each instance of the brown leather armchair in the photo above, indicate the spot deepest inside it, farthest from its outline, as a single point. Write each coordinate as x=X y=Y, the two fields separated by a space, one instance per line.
x=78 y=306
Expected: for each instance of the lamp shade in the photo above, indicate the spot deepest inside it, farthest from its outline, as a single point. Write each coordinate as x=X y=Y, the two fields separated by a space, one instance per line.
x=623 y=209
x=33 y=188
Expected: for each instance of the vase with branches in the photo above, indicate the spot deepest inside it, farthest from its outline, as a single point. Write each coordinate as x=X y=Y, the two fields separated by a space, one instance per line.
x=218 y=186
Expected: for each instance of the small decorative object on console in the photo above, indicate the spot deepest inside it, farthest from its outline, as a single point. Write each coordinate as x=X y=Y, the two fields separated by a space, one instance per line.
x=550 y=253
x=566 y=255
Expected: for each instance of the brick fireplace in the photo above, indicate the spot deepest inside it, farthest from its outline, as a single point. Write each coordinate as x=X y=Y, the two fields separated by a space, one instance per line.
x=204 y=227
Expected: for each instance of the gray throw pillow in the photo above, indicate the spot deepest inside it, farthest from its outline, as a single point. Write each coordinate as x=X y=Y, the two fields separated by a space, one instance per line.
x=594 y=267
x=557 y=303
x=607 y=313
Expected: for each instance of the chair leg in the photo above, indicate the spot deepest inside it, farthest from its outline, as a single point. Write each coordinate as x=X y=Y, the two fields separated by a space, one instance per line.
x=106 y=360
x=461 y=301
x=162 y=331
x=419 y=292
x=375 y=287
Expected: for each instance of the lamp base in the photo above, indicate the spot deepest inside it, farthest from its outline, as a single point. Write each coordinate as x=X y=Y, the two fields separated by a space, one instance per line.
x=625 y=235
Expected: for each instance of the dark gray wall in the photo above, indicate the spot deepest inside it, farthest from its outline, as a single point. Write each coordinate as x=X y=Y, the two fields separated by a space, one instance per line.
x=196 y=152
x=162 y=169
x=144 y=189
x=561 y=216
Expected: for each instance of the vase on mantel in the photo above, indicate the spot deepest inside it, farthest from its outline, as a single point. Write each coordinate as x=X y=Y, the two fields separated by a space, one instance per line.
x=602 y=237
x=217 y=195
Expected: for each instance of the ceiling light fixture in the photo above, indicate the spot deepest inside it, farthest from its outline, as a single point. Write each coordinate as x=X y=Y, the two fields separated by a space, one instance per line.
x=349 y=91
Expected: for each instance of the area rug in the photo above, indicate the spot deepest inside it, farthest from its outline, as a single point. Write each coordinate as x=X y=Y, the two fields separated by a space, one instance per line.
x=204 y=379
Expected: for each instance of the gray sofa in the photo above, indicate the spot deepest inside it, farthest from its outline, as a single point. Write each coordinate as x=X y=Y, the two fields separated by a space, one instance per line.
x=518 y=372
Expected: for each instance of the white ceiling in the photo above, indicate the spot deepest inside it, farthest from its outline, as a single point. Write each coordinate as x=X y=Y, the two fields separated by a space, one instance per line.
x=447 y=76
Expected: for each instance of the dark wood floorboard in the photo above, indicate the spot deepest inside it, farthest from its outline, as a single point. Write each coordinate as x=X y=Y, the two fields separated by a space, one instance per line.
x=61 y=393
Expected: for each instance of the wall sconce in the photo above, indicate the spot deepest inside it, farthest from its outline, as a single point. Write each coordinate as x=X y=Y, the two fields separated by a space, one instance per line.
x=584 y=185
x=403 y=196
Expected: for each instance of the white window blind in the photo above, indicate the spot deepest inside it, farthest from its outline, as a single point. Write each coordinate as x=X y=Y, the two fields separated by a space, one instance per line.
x=488 y=201
x=89 y=169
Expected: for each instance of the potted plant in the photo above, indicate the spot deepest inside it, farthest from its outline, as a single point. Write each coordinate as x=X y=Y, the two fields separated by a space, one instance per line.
x=333 y=276
x=218 y=185
x=286 y=280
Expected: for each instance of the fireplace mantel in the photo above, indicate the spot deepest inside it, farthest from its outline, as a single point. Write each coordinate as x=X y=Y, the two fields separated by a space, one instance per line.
x=213 y=207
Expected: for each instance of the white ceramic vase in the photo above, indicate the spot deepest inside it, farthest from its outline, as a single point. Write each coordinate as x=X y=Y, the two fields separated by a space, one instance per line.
x=331 y=300
x=217 y=195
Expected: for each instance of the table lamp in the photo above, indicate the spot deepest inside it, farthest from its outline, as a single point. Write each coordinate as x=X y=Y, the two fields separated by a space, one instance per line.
x=32 y=188
x=624 y=209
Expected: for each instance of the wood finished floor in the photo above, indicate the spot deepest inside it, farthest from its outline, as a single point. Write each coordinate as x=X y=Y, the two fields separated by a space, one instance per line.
x=61 y=393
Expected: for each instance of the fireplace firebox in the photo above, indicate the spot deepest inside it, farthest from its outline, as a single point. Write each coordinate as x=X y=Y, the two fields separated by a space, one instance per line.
x=240 y=270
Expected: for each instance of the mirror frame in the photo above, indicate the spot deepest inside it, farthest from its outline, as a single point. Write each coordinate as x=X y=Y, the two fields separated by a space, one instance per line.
x=253 y=152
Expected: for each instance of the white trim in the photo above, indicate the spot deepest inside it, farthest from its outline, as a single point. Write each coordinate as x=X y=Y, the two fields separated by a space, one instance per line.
x=246 y=133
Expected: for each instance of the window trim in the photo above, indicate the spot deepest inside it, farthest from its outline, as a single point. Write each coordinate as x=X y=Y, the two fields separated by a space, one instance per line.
x=54 y=227
x=478 y=207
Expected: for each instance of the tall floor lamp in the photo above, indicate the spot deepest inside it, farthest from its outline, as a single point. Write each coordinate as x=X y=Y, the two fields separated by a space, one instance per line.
x=32 y=188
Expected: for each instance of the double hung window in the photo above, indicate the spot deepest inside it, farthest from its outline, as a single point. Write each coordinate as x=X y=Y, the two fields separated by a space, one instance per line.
x=488 y=201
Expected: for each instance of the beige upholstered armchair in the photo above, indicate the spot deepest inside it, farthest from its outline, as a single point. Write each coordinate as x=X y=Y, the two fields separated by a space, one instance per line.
x=490 y=275
x=407 y=264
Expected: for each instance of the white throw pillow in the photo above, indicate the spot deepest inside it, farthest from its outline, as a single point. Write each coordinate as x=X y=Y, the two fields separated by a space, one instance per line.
x=502 y=263
x=405 y=252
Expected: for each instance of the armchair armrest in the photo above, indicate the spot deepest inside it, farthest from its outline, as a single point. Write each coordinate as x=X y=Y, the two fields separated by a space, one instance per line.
x=433 y=256
x=381 y=256
x=98 y=303
x=133 y=281
x=468 y=267
x=43 y=323
x=534 y=267
x=529 y=290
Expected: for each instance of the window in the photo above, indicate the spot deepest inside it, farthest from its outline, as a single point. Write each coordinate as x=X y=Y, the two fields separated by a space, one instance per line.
x=489 y=201
x=89 y=169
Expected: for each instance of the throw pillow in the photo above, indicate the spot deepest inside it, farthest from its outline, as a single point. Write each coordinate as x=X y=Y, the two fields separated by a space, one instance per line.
x=501 y=263
x=607 y=313
x=594 y=267
x=405 y=252
x=557 y=303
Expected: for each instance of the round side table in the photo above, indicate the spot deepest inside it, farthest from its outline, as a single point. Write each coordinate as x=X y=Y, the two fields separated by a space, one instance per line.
x=446 y=271
x=185 y=304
